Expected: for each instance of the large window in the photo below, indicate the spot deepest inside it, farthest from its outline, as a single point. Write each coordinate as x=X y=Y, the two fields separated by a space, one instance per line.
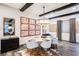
x=29 y=27
x=65 y=30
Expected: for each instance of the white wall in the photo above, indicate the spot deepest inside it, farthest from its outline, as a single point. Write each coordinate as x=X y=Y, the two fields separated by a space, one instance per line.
x=0 y=34
x=9 y=12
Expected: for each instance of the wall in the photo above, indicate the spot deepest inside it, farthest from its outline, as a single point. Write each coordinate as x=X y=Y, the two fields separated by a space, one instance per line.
x=53 y=28
x=9 y=12
x=0 y=33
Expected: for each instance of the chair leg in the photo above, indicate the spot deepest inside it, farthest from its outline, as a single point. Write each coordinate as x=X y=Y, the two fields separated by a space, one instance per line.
x=54 y=46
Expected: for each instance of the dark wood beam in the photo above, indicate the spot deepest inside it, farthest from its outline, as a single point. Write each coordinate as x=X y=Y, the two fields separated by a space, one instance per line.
x=72 y=13
x=27 y=5
x=60 y=8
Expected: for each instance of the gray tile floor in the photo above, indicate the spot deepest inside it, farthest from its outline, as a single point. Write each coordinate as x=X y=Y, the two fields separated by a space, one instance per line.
x=69 y=49
x=65 y=49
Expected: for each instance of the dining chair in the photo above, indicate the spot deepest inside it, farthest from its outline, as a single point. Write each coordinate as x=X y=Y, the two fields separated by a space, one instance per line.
x=30 y=44
x=46 y=44
x=54 y=43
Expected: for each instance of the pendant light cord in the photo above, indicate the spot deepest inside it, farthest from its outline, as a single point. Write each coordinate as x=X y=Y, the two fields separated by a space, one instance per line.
x=43 y=11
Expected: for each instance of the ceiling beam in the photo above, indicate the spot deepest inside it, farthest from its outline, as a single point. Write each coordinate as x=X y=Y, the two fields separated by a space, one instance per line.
x=72 y=13
x=60 y=8
x=27 y=5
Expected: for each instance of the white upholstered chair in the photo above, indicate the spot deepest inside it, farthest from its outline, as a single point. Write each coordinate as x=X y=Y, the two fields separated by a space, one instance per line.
x=30 y=44
x=46 y=44
x=55 y=41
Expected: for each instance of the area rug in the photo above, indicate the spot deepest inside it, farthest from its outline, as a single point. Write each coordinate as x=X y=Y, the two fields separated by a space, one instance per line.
x=38 y=52
x=32 y=52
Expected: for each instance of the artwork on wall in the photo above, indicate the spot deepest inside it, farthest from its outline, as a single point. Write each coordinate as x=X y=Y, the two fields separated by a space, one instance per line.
x=24 y=27
x=38 y=32
x=32 y=21
x=38 y=27
x=24 y=33
x=8 y=26
x=32 y=27
x=29 y=27
x=32 y=32
x=24 y=20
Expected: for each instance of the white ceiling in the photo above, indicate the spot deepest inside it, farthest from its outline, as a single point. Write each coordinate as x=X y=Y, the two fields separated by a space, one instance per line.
x=49 y=6
x=36 y=9
x=15 y=5
x=38 y=6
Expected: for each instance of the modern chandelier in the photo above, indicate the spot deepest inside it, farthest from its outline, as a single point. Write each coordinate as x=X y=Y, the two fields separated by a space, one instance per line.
x=43 y=20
